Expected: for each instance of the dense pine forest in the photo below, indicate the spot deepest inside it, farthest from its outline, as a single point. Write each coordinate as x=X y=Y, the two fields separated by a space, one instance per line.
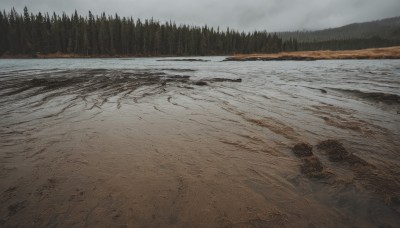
x=29 y=34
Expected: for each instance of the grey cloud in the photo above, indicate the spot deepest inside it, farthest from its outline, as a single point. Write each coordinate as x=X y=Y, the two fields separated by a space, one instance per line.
x=271 y=15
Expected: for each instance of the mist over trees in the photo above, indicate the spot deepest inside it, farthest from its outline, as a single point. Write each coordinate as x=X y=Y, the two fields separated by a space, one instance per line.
x=27 y=33
x=388 y=28
x=348 y=44
x=373 y=34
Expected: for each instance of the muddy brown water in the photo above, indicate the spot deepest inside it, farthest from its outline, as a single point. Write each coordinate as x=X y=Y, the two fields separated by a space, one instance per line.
x=147 y=143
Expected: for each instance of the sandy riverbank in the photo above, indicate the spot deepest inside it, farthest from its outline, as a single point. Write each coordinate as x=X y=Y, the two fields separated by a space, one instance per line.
x=147 y=143
x=373 y=53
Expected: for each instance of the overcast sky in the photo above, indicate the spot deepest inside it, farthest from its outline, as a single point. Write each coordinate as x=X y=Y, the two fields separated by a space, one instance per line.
x=270 y=15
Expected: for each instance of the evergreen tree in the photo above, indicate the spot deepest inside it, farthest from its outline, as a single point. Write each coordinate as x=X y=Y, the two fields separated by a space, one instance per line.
x=112 y=35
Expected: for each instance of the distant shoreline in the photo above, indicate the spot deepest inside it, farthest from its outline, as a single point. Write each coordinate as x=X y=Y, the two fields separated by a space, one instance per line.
x=79 y=56
x=371 y=53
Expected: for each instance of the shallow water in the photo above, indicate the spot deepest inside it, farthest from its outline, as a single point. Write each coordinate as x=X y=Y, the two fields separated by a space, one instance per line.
x=138 y=142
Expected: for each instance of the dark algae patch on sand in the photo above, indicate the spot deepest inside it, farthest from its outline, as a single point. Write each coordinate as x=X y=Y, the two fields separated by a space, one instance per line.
x=386 y=98
x=378 y=181
x=347 y=171
x=183 y=60
x=311 y=165
x=337 y=153
x=335 y=150
x=205 y=82
x=302 y=150
x=101 y=82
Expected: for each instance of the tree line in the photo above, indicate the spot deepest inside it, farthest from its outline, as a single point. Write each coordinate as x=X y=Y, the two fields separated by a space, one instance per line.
x=29 y=33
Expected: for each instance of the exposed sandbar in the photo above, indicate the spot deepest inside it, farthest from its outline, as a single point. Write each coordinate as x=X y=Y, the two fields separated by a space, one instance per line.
x=373 y=53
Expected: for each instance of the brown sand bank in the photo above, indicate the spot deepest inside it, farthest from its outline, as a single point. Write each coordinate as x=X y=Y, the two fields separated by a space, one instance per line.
x=208 y=145
x=373 y=53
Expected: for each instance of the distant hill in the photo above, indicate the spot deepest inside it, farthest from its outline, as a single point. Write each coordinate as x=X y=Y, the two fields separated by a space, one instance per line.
x=388 y=29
